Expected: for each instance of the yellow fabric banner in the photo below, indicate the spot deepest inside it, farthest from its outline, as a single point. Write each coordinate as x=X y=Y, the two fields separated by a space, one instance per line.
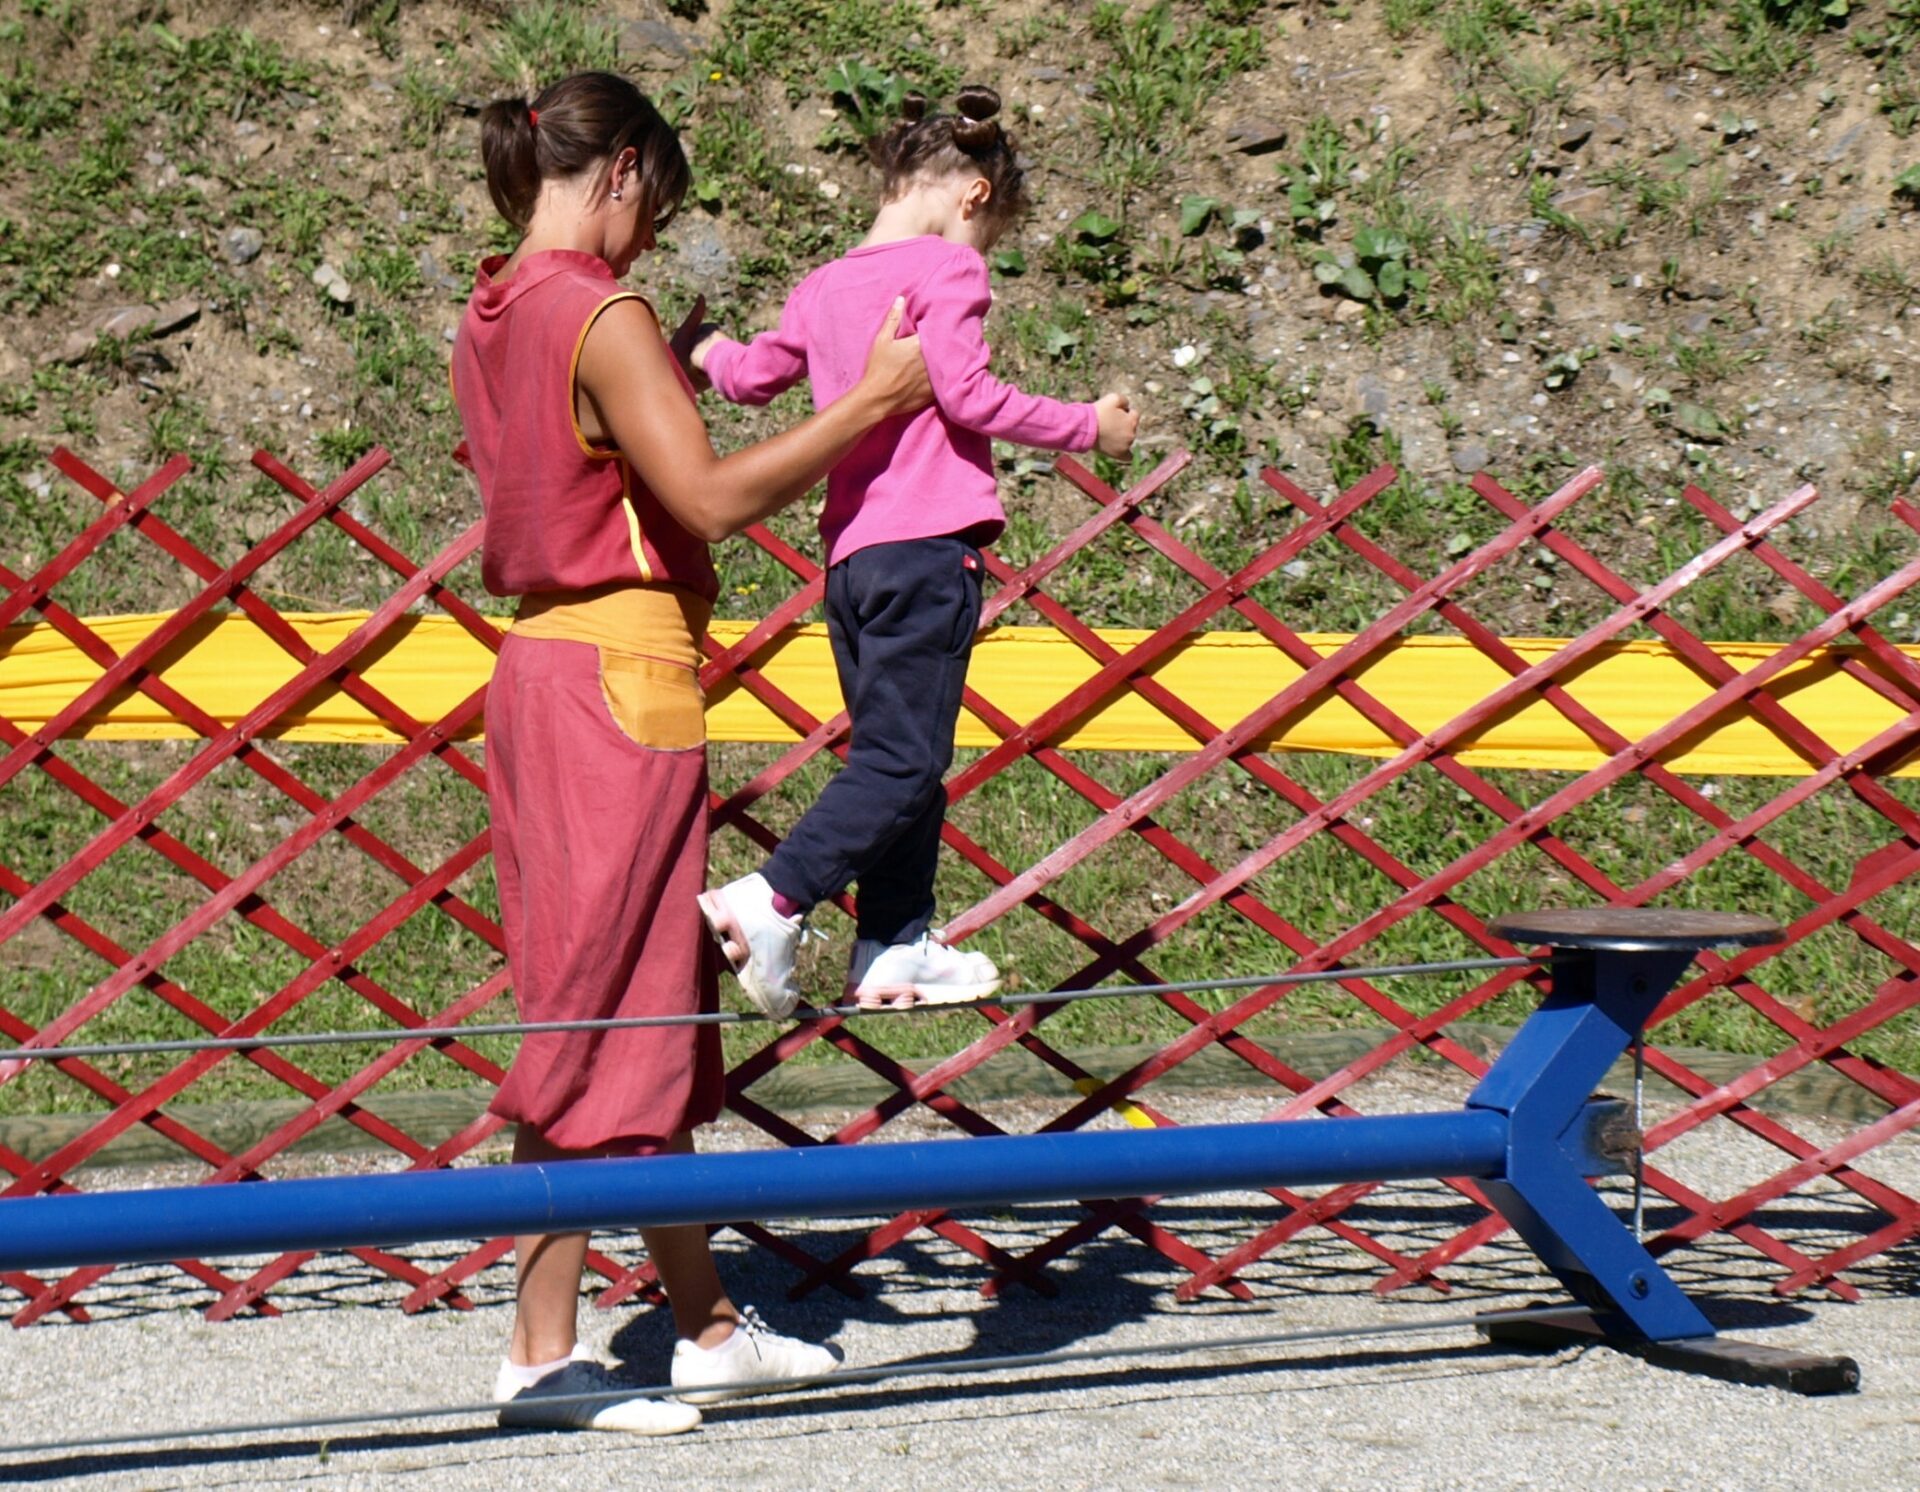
x=226 y=664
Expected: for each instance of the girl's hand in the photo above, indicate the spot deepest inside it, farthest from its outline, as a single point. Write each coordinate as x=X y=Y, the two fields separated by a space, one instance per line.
x=1118 y=422
x=690 y=340
x=708 y=335
x=896 y=377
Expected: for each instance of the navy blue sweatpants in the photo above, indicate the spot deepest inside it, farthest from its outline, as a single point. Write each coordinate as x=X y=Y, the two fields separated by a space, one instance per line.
x=901 y=618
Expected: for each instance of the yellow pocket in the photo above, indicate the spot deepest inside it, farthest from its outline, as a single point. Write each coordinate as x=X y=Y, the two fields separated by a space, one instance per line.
x=656 y=705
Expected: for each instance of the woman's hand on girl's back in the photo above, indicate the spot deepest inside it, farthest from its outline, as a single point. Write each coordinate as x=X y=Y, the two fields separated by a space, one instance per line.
x=1119 y=420
x=896 y=376
x=630 y=395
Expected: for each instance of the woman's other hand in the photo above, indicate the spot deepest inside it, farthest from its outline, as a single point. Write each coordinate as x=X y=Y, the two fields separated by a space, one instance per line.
x=689 y=342
x=896 y=377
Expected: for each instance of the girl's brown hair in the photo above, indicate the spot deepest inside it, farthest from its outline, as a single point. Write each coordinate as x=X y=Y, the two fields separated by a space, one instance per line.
x=971 y=139
x=584 y=122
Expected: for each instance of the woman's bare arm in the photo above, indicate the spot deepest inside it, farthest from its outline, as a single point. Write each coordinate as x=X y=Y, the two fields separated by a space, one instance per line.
x=627 y=383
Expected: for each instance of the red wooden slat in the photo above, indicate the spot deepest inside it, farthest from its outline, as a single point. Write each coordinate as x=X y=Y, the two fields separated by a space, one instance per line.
x=1117 y=519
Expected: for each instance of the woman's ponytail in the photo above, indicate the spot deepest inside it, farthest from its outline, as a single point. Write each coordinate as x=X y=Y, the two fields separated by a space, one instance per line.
x=510 y=150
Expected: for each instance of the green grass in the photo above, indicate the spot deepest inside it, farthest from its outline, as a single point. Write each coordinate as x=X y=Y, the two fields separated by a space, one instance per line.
x=798 y=43
x=1425 y=822
x=90 y=210
x=535 y=44
x=1160 y=75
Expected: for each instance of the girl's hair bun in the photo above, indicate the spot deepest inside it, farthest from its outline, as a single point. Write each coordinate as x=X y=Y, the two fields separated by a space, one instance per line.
x=976 y=128
x=929 y=144
x=977 y=101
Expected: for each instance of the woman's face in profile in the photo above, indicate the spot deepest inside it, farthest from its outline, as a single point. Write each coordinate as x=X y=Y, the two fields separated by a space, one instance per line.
x=634 y=225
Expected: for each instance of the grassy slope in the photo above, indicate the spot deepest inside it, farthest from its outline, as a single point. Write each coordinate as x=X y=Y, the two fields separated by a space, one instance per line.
x=1732 y=302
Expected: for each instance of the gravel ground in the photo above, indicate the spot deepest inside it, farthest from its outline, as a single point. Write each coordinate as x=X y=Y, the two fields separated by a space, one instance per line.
x=1439 y=1410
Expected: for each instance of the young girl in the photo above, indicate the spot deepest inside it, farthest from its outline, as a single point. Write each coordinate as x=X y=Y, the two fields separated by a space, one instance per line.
x=601 y=493
x=906 y=515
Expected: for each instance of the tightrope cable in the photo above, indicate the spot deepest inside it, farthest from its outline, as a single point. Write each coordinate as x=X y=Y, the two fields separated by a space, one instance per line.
x=912 y=1368
x=742 y=1018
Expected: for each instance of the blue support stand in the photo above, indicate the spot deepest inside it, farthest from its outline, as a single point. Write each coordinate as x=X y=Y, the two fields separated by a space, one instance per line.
x=1602 y=995
x=1612 y=968
x=1530 y=1132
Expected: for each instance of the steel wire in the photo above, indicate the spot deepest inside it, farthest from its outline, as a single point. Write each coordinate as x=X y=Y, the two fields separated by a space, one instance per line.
x=742 y=1018
x=912 y=1368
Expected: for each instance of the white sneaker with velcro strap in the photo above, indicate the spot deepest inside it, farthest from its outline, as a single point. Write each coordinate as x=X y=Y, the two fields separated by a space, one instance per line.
x=923 y=972
x=759 y=943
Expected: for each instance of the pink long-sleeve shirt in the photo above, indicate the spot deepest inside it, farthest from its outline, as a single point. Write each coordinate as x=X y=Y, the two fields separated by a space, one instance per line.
x=921 y=475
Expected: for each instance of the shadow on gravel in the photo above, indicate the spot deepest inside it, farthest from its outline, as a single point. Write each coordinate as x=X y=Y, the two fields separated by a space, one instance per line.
x=1106 y=1286
x=1751 y=1313
x=251 y=1453
x=1108 y=1283
x=1896 y=1272
x=998 y=1398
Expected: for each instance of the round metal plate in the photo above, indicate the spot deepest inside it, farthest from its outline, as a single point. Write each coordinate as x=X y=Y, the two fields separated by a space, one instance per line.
x=1637 y=929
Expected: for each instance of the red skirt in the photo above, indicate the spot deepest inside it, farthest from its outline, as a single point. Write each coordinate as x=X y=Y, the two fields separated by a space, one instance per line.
x=597 y=781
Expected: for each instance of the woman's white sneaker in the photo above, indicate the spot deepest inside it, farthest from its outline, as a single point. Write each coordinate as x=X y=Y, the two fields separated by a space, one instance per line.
x=754 y=1354
x=535 y=1408
x=757 y=940
x=924 y=972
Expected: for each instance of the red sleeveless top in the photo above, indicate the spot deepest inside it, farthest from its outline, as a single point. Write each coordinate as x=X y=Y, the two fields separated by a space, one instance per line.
x=562 y=513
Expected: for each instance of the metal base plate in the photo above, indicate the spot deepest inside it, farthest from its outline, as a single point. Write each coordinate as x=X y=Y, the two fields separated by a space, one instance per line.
x=1637 y=929
x=1731 y=1361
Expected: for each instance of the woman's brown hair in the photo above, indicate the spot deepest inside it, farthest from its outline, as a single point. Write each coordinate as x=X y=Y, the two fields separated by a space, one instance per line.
x=971 y=139
x=576 y=125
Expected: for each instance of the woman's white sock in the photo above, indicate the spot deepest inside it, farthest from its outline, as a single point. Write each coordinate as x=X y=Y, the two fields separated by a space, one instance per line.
x=513 y=1377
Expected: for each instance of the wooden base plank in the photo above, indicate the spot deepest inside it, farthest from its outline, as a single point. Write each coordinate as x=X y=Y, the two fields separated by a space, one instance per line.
x=1810 y=1374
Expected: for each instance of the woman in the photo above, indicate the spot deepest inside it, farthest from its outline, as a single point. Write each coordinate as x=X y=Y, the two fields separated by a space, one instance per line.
x=602 y=493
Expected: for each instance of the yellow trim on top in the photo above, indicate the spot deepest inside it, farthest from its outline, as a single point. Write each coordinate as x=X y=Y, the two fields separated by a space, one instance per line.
x=573 y=372
x=636 y=540
x=634 y=536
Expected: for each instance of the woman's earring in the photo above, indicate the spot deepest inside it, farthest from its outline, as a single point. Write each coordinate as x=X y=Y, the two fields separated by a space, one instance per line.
x=616 y=194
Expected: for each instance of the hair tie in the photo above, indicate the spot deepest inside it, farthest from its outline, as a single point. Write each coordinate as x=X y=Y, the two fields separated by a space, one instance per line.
x=533 y=118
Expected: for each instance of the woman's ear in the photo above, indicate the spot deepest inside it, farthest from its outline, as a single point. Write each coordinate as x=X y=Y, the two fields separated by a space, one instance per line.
x=622 y=175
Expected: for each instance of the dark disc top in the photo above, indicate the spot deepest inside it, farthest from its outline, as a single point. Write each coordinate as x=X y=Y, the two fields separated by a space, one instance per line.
x=1637 y=929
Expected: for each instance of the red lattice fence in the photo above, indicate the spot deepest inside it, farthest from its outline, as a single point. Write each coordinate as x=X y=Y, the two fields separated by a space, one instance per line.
x=1436 y=902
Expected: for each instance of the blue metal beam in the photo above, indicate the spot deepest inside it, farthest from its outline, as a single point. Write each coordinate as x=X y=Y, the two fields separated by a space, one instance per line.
x=161 y=1224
